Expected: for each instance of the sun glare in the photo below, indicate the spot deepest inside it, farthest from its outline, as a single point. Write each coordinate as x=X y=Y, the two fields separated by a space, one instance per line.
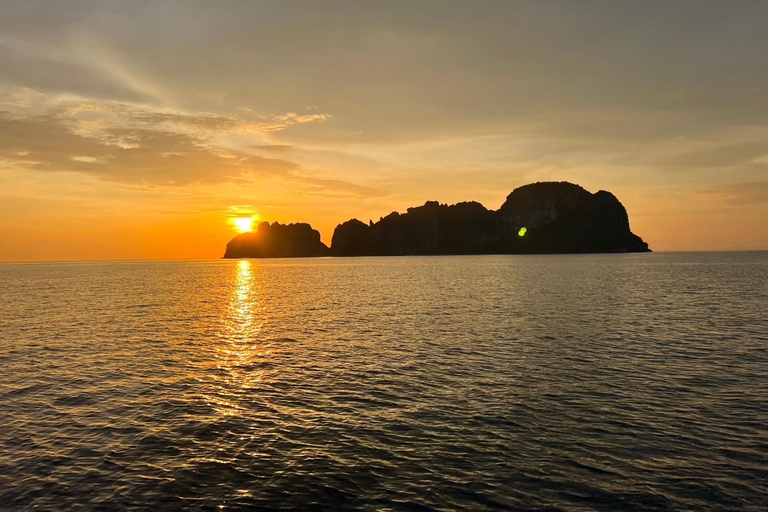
x=243 y=224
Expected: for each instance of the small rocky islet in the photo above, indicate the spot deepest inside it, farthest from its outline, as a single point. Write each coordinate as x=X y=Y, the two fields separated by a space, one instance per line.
x=539 y=218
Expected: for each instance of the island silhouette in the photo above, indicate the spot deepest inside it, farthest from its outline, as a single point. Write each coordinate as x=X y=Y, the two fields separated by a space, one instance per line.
x=538 y=218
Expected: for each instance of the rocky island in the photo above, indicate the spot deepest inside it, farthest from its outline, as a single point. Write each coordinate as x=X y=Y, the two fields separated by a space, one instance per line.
x=278 y=241
x=539 y=218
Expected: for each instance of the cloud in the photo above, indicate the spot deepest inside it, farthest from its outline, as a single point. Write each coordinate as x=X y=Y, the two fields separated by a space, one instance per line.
x=614 y=86
x=709 y=154
x=323 y=186
x=277 y=148
x=90 y=115
x=750 y=193
x=86 y=159
x=137 y=145
x=130 y=155
x=292 y=117
x=134 y=143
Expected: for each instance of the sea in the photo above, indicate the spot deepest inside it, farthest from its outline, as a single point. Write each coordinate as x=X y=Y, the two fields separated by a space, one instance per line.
x=565 y=382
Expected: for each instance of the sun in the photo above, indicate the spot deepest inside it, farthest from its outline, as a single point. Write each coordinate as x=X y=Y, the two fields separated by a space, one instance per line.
x=243 y=224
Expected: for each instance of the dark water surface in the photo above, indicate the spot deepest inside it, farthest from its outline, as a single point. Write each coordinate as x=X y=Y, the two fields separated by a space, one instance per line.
x=599 y=382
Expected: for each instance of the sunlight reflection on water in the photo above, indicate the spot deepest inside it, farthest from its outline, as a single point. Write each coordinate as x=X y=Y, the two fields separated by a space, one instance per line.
x=241 y=356
x=610 y=382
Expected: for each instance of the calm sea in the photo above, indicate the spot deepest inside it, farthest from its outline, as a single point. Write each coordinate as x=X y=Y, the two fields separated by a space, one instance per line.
x=595 y=382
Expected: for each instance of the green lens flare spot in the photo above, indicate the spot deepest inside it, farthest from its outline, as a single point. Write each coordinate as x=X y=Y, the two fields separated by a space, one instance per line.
x=522 y=231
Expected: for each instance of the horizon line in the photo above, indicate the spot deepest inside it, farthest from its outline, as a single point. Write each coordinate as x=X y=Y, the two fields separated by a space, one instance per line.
x=147 y=260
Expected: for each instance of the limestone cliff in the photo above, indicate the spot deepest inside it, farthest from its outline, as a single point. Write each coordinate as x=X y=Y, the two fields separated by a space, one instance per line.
x=549 y=217
x=540 y=218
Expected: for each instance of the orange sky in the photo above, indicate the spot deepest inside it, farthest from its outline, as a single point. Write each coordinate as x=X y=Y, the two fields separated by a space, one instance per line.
x=138 y=130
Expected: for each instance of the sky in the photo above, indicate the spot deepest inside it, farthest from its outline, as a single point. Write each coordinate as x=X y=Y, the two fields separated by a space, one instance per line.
x=139 y=130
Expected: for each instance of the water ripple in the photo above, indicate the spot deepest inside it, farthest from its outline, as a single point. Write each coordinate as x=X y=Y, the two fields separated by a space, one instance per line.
x=613 y=382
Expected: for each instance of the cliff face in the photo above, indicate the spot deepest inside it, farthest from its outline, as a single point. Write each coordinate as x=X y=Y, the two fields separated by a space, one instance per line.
x=561 y=217
x=558 y=217
x=463 y=228
x=540 y=218
x=277 y=241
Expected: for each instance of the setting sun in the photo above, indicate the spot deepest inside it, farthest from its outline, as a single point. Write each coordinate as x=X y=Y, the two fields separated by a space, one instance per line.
x=243 y=224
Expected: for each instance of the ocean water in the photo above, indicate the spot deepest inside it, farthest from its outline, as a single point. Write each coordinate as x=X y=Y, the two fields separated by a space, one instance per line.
x=591 y=382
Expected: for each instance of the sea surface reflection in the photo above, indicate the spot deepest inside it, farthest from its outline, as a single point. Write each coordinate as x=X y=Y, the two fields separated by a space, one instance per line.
x=594 y=382
x=242 y=358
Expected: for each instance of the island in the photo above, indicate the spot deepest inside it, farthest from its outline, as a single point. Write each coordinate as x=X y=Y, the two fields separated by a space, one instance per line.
x=539 y=218
x=278 y=241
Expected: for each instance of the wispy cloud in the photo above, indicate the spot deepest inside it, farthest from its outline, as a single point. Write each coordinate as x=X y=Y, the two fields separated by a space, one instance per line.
x=131 y=155
x=749 y=193
x=135 y=144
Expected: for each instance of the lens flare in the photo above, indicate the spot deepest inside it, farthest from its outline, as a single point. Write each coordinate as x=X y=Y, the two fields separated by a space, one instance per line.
x=522 y=232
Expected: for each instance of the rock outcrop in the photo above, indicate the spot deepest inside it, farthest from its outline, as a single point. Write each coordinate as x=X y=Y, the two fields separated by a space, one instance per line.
x=278 y=241
x=463 y=228
x=540 y=218
x=561 y=217
x=550 y=217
